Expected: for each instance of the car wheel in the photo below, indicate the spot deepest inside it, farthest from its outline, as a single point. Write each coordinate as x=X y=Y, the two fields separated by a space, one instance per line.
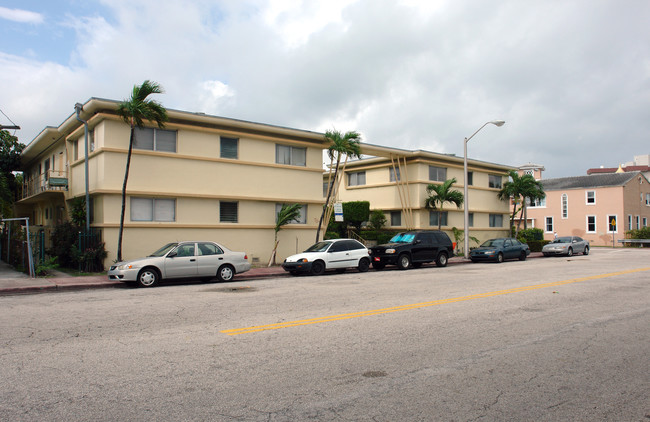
x=442 y=260
x=225 y=273
x=378 y=265
x=473 y=260
x=340 y=270
x=586 y=251
x=569 y=252
x=403 y=262
x=364 y=265
x=317 y=268
x=522 y=257
x=500 y=258
x=148 y=277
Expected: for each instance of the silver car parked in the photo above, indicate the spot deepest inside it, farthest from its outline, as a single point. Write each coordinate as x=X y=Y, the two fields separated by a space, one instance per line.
x=566 y=245
x=191 y=259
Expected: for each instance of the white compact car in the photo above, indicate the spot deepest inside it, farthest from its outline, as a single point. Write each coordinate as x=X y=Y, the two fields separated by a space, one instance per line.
x=338 y=254
x=191 y=259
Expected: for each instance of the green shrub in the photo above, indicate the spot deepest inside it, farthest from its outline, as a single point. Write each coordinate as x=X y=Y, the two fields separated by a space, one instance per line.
x=356 y=213
x=529 y=235
x=377 y=220
x=642 y=233
x=537 y=245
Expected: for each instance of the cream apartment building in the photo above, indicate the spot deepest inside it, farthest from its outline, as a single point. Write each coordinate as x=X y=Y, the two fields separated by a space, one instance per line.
x=395 y=181
x=201 y=177
x=597 y=207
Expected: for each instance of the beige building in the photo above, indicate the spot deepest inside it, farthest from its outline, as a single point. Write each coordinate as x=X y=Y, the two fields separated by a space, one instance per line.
x=395 y=182
x=202 y=177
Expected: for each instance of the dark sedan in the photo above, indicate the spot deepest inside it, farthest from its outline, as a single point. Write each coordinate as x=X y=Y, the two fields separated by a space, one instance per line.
x=498 y=250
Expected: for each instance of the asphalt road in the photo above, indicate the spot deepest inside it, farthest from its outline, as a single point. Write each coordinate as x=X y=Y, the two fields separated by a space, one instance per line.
x=545 y=340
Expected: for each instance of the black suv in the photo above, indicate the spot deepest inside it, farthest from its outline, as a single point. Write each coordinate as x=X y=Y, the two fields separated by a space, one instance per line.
x=413 y=249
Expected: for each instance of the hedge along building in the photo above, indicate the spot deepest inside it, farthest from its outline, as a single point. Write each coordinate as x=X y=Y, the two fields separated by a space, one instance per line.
x=201 y=177
x=395 y=181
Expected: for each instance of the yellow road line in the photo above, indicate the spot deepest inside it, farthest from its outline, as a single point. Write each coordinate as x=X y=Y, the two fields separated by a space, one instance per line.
x=246 y=330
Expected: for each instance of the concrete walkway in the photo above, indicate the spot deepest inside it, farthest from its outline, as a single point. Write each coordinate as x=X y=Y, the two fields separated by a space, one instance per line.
x=14 y=282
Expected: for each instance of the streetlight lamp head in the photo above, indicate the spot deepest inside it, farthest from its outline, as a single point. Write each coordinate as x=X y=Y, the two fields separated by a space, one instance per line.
x=498 y=122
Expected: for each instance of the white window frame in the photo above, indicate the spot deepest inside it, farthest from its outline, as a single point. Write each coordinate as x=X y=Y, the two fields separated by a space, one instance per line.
x=155 y=147
x=629 y=221
x=638 y=222
x=495 y=181
x=492 y=222
x=647 y=199
x=353 y=178
x=153 y=209
x=609 y=219
x=440 y=173
x=645 y=221
x=301 y=219
x=546 y=220
x=293 y=158
x=587 y=224
x=564 y=204
x=587 y=197
x=537 y=203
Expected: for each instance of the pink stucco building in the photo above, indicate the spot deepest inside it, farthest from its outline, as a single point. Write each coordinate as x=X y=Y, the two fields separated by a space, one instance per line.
x=597 y=207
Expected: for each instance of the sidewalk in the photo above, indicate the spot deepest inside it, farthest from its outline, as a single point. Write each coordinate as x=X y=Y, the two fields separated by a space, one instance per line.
x=14 y=282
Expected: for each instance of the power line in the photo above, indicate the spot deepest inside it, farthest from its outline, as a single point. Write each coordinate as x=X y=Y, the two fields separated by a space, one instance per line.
x=15 y=126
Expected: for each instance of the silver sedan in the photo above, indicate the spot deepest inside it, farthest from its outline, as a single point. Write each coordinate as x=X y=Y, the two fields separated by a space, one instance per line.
x=191 y=259
x=566 y=245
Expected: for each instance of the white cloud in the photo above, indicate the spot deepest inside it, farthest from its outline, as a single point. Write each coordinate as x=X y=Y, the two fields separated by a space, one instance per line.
x=570 y=79
x=19 y=15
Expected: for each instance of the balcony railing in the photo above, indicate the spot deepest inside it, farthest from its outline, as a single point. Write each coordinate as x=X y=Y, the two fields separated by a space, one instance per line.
x=50 y=181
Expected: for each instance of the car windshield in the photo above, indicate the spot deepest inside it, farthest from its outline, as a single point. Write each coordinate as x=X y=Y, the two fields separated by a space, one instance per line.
x=562 y=240
x=162 y=251
x=492 y=243
x=403 y=238
x=319 y=247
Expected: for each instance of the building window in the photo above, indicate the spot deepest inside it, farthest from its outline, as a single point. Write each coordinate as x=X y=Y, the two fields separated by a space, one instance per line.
x=629 y=222
x=565 y=206
x=470 y=178
x=495 y=181
x=638 y=222
x=496 y=220
x=536 y=203
x=153 y=209
x=228 y=212
x=396 y=218
x=549 y=224
x=153 y=139
x=611 y=224
x=438 y=174
x=392 y=174
x=647 y=199
x=293 y=156
x=75 y=150
x=91 y=141
x=591 y=197
x=435 y=216
x=229 y=147
x=357 y=179
x=645 y=222
x=325 y=186
x=591 y=224
x=470 y=219
x=301 y=219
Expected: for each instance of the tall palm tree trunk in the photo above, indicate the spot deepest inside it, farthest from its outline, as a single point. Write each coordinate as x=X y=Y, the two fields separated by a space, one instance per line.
x=126 y=178
x=327 y=201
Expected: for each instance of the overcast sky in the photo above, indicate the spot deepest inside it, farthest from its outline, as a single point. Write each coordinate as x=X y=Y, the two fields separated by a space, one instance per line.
x=570 y=78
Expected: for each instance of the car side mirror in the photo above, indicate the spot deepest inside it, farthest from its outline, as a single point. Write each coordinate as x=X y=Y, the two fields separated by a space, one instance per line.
x=417 y=241
x=172 y=254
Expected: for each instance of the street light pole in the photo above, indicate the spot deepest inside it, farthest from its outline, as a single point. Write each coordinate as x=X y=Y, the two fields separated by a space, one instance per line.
x=497 y=123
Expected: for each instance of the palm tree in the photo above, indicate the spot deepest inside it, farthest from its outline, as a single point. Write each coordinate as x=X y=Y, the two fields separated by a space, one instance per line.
x=439 y=194
x=519 y=189
x=348 y=145
x=134 y=111
x=287 y=214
